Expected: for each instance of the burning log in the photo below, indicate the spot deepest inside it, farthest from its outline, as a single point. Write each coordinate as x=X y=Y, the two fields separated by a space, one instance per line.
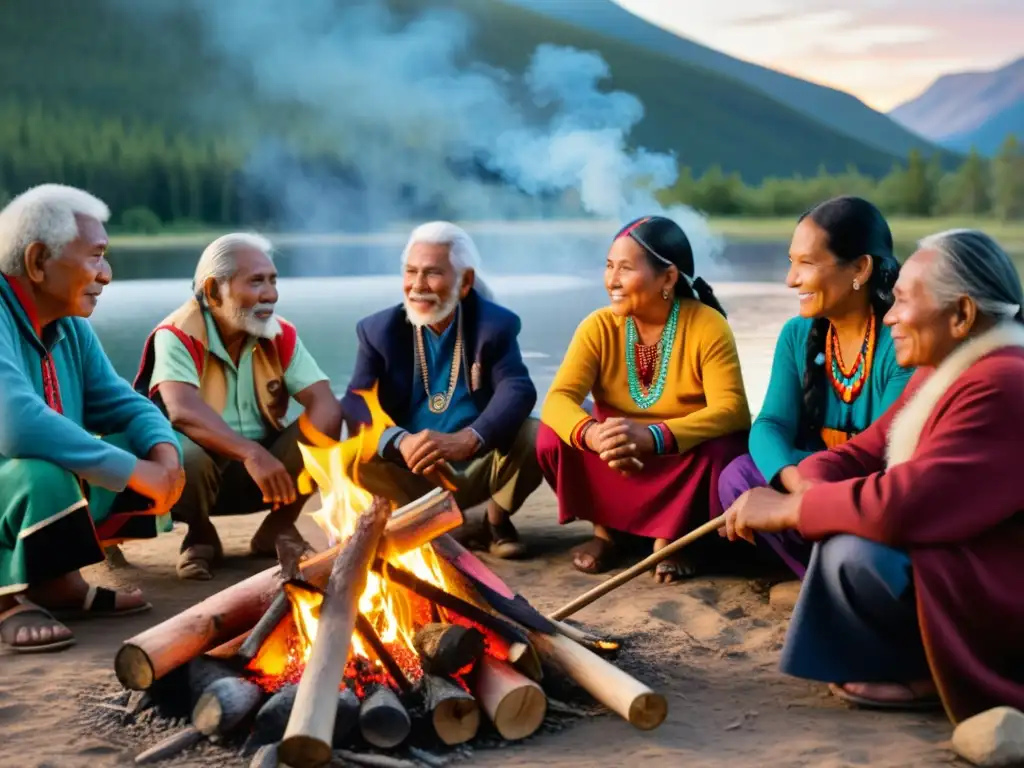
x=345 y=719
x=444 y=649
x=232 y=612
x=410 y=527
x=438 y=596
x=383 y=721
x=618 y=691
x=454 y=712
x=225 y=704
x=202 y=672
x=272 y=719
x=307 y=741
x=514 y=703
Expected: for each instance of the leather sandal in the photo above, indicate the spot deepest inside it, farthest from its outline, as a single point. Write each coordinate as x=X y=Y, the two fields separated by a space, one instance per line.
x=196 y=562
x=504 y=540
x=27 y=615
x=98 y=602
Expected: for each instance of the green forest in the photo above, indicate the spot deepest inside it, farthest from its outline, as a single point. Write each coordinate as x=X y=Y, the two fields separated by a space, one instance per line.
x=139 y=109
x=156 y=180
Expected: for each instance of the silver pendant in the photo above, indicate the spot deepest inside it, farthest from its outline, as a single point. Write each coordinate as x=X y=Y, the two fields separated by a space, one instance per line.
x=438 y=403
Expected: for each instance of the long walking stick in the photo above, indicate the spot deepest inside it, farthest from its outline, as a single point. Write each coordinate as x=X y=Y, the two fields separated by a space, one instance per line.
x=629 y=574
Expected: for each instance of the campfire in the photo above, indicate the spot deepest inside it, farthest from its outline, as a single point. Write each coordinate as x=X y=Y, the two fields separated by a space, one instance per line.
x=395 y=637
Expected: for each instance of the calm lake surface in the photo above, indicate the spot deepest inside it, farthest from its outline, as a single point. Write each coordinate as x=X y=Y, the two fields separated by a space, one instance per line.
x=325 y=290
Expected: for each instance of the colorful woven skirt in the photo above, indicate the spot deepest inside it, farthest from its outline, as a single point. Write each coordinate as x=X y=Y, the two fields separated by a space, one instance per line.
x=671 y=496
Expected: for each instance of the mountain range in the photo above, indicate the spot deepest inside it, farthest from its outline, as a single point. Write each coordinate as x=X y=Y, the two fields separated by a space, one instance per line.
x=109 y=58
x=969 y=109
x=840 y=111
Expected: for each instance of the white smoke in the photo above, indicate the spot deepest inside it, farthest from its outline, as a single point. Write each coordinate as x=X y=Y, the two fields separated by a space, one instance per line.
x=402 y=103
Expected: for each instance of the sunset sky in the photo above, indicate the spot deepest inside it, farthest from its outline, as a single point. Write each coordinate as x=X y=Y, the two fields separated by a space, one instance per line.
x=885 y=51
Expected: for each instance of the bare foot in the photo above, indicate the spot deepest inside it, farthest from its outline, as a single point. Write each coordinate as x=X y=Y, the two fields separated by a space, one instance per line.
x=918 y=694
x=673 y=568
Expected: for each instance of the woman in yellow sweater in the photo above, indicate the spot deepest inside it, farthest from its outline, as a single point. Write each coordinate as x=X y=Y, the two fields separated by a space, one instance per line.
x=670 y=411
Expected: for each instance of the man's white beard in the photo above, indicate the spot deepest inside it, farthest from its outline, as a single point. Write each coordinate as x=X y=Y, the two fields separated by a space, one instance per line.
x=440 y=312
x=262 y=329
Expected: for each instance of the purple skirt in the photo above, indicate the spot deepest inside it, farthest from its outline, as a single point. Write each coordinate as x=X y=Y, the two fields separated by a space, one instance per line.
x=741 y=475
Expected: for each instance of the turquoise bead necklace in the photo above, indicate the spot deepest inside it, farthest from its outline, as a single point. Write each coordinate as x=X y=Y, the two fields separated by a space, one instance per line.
x=665 y=344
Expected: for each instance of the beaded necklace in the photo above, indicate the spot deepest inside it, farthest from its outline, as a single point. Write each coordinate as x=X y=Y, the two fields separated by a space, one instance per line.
x=848 y=383
x=641 y=364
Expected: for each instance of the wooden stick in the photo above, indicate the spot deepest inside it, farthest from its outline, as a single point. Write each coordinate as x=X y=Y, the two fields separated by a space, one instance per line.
x=374 y=761
x=278 y=610
x=602 y=646
x=514 y=703
x=372 y=639
x=225 y=704
x=307 y=740
x=629 y=574
x=428 y=591
x=454 y=712
x=265 y=757
x=444 y=649
x=621 y=693
x=171 y=746
x=225 y=616
x=523 y=656
x=383 y=721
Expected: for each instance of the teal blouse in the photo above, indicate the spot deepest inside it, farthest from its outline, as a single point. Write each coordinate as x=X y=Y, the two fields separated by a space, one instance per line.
x=775 y=440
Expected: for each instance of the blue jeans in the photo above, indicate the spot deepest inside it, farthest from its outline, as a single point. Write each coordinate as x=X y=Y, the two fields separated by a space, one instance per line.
x=856 y=617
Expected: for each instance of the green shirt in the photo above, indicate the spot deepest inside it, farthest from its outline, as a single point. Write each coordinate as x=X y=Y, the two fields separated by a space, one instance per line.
x=775 y=440
x=172 y=362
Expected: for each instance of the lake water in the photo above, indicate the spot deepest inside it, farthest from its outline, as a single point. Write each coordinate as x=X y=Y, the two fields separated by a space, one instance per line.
x=326 y=289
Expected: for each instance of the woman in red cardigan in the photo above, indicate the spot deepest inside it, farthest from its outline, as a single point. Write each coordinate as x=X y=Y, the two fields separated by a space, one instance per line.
x=915 y=592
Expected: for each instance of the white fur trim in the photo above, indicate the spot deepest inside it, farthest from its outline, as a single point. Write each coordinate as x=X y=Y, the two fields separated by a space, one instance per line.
x=905 y=432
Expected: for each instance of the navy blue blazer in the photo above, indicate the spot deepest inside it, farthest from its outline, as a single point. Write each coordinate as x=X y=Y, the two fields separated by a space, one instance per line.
x=491 y=363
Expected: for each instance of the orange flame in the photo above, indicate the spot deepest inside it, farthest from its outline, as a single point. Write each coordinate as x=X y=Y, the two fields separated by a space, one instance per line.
x=334 y=467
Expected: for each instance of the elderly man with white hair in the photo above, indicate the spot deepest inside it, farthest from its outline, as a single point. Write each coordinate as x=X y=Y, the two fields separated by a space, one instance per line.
x=451 y=377
x=224 y=367
x=84 y=460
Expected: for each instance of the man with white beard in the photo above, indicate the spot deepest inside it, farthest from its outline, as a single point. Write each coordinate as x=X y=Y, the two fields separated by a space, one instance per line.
x=223 y=367
x=450 y=375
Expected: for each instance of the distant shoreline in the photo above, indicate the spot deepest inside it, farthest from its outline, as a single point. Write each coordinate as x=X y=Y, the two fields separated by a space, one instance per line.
x=906 y=231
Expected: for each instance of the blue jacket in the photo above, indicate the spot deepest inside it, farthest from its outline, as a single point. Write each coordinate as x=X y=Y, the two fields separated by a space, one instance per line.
x=492 y=364
x=58 y=395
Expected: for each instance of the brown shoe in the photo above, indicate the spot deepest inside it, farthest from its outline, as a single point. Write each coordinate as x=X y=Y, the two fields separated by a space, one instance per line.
x=504 y=540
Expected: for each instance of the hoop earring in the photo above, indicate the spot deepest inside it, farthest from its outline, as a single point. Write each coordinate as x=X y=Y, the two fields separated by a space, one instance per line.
x=856 y=285
x=664 y=294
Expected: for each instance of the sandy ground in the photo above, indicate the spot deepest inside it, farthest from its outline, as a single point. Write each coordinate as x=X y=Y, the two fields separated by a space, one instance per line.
x=710 y=645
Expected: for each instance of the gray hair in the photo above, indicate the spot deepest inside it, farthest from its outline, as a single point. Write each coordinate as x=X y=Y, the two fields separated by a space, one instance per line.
x=462 y=251
x=44 y=214
x=972 y=264
x=219 y=259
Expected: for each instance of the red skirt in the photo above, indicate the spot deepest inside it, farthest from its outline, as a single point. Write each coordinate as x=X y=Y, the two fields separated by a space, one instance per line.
x=670 y=497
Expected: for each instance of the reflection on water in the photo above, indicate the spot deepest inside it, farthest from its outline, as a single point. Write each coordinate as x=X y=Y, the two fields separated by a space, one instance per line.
x=325 y=291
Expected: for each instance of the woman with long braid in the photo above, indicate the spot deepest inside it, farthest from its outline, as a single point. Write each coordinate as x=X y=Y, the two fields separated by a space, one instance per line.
x=670 y=411
x=834 y=371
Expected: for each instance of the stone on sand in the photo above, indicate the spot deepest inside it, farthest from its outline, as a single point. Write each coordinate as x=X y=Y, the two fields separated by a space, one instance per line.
x=991 y=738
x=782 y=596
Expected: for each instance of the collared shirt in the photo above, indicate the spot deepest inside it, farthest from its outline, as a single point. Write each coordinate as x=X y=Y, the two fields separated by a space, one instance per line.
x=439 y=349
x=172 y=362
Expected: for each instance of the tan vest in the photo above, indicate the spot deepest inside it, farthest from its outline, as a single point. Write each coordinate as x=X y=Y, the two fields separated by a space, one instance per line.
x=270 y=360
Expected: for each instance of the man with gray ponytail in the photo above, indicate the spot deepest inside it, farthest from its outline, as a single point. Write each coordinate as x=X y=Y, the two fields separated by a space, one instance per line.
x=915 y=577
x=224 y=367
x=449 y=373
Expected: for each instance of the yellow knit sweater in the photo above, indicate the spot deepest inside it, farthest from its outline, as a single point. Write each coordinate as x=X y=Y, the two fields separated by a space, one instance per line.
x=703 y=396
